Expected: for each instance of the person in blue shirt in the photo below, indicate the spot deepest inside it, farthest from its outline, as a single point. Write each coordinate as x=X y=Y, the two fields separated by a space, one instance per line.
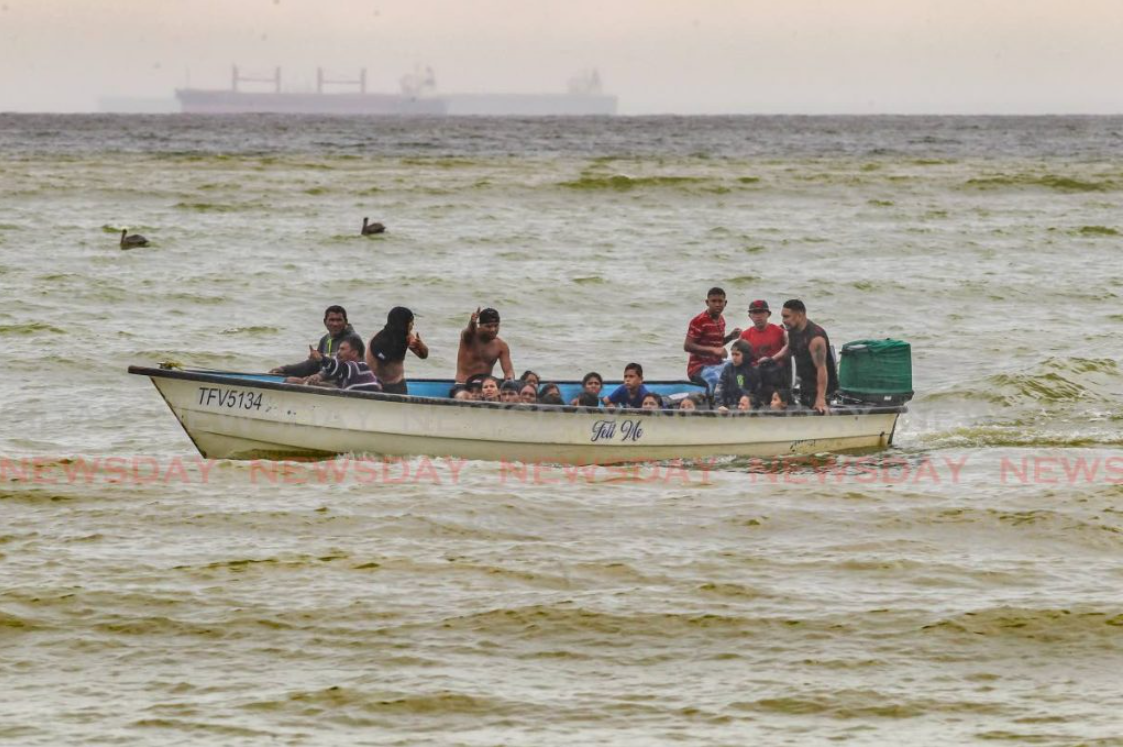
x=631 y=392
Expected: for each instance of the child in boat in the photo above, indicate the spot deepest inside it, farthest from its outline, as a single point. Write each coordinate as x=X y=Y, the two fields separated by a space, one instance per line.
x=631 y=392
x=591 y=383
x=739 y=377
x=781 y=399
x=652 y=401
x=689 y=402
x=528 y=394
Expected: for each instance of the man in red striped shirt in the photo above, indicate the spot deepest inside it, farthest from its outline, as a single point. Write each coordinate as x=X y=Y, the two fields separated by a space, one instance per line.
x=706 y=340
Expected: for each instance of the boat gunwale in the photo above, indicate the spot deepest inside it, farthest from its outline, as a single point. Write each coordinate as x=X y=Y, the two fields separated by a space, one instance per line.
x=231 y=378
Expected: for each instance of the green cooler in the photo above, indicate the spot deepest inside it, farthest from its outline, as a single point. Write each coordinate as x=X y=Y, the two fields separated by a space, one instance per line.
x=875 y=372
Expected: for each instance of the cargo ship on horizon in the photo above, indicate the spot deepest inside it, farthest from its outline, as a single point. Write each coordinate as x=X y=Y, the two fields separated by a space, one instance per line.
x=418 y=97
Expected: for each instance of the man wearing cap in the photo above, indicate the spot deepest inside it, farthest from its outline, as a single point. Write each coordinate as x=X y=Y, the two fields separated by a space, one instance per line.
x=706 y=341
x=768 y=340
x=770 y=349
x=811 y=351
x=480 y=347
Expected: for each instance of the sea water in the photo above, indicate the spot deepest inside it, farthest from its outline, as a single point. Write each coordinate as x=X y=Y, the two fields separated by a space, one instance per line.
x=962 y=586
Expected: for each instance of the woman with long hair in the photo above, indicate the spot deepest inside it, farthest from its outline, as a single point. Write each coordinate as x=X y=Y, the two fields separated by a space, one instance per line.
x=387 y=350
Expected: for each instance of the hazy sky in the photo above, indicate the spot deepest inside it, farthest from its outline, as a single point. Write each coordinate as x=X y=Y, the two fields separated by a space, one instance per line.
x=701 y=56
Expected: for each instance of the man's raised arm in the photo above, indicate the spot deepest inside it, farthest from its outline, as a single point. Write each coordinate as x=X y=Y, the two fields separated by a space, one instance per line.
x=473 y=322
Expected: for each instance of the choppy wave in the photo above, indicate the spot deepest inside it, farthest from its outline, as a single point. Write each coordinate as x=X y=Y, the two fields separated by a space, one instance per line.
x=1043 y=432
x=10 y=624
x=566 y=620
x=357 y=706
x=1053 y=381
x=623 y=183
x=223 y=207
x=1046 y=181
x=198 y=298
x=1098 y=231
x=1091 y=531
x=1060 y=402
x=1086 y=628
x=1059 y=380
x=865 y=704
x=30 y=328
x=440 y=163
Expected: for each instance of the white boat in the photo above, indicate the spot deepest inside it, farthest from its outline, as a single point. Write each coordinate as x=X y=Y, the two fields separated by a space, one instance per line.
x=246 y=416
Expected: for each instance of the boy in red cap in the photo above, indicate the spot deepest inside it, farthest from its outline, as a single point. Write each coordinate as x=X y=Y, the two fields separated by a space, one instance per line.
x=768 y=340
x=770 y=349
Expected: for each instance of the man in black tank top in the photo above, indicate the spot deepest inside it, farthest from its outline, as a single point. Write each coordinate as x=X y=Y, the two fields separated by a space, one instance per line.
x=811 y=350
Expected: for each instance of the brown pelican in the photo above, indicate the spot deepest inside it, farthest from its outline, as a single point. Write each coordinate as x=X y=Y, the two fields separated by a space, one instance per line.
x=370 y=229
x=130 y=242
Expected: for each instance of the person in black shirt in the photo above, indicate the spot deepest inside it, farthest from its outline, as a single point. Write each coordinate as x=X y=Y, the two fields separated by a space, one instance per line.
x=335 y=319
x=387 y=350
x=811 y=350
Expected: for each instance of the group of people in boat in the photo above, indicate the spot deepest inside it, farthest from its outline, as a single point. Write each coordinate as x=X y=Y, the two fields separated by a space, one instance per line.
x=342 y=360
x=755 y=371
x=760 y=361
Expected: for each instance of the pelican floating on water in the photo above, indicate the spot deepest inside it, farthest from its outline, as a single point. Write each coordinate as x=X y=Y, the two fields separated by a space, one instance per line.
x=130 y=242
x=370 y=229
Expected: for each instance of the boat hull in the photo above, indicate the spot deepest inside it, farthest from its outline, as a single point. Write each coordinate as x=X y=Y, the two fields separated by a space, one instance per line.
x=231 y=418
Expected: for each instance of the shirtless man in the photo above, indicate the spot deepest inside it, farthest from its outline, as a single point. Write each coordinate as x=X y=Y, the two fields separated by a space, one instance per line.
x=480 y=347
